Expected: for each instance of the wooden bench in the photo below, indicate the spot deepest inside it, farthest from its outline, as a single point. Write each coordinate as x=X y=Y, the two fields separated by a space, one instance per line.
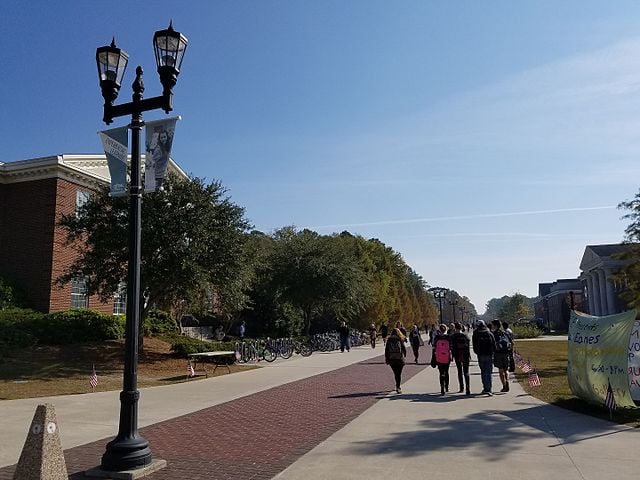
x=225 y=358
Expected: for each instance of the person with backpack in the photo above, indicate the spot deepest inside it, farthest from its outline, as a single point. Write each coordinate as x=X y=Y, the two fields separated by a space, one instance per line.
x=442 y=353
x=461 y=355
x=484 y=344
x=509 y=332
x=343 y=331
x=384 y=332
x=501 y=355
x=394 y=353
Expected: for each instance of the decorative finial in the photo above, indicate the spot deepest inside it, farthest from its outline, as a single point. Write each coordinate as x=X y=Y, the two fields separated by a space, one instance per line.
x=113 y=42
x=170 y=25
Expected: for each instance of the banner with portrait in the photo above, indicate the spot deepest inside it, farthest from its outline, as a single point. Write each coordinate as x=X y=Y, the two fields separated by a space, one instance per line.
x=599 y=354
x=116 y=147
x=159 y=139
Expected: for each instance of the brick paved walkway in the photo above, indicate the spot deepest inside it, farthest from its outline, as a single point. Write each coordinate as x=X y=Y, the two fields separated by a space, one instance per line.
x=257 y=436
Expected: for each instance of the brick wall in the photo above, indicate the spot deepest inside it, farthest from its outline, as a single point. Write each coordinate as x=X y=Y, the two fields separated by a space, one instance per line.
x=32 y=245
x=63 y=254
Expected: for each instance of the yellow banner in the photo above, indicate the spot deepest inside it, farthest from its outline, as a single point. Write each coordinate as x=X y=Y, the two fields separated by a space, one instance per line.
x=598 y=354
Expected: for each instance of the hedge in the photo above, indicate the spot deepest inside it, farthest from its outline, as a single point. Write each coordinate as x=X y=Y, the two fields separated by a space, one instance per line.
x=182 y=345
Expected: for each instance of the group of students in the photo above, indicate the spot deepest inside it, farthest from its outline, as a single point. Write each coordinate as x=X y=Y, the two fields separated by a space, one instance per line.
x=493 y=347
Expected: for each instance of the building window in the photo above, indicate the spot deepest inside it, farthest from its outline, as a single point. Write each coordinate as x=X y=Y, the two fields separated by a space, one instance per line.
x=81 y=199
x=79 y=296
x=120 y=300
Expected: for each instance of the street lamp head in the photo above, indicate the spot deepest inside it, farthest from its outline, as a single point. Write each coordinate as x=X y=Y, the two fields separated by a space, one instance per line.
x=111 y=62
x=169 y=47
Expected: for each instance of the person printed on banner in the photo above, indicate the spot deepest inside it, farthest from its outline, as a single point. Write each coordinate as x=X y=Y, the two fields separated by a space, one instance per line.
x=394 y=354
x=460 y=350
x=343 y=331
x=509 y=332
x=484 y=344
x=442 y=353
x=384 y=332
x=414 y=341
x=501 y=355
x=373 y=333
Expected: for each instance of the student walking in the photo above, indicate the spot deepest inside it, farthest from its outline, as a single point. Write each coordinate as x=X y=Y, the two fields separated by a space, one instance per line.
x=394 y=354
x=373 y=333
x=461 y=355
x=509 y=332
x=343 y=331
x=415 y=341
x=384 y=332
x=484 y=344
x=501 y=355
x=442 y=352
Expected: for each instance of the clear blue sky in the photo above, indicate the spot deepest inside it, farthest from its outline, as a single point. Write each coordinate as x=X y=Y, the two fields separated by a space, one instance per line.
x=487 y=142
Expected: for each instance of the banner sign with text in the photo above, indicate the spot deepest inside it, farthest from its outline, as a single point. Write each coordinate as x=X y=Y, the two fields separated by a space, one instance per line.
x=116 y=146
x=634 y=362
x=599 y=354
x=159 y=139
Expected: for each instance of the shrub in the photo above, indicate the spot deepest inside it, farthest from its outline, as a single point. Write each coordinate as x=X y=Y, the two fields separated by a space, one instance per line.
x=525 y=331
x=159 y=323
x=78 y=325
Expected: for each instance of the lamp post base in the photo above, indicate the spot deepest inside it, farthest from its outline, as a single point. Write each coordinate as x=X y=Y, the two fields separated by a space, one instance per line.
x=153 y=467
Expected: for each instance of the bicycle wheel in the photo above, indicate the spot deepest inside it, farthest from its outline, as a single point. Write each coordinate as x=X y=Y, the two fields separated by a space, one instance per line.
x=286 y=351
x=305 y=350
x=269 y=354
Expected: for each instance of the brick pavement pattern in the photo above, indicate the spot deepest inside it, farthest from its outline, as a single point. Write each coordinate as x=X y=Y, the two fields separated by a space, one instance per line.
x=257 y=436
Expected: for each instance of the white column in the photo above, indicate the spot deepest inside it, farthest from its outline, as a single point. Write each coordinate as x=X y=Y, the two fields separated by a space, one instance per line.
x=611 y=296
x=596 y=293
x=603 y=292
x=592 y=305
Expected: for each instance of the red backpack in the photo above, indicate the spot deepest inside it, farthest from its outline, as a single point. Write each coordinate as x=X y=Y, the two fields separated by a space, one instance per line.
x=443 y=350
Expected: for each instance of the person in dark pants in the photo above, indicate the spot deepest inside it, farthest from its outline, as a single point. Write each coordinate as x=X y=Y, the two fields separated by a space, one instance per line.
x=442 y=351
x=394 y=353
x=415 y=340
x=509 y=332
x=461 y=355
x=484 y=344
x=343 y=331
x=384 y=332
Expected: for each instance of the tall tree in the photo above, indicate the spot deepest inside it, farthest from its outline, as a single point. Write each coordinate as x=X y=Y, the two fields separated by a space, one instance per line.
x=192 y=241
x=629 y=275
x=515 y=307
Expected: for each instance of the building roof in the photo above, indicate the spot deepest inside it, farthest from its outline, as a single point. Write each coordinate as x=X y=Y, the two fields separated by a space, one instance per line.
x=89 y=170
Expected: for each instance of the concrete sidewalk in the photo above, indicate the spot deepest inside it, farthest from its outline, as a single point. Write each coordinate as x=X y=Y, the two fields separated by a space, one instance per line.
x=421 y=434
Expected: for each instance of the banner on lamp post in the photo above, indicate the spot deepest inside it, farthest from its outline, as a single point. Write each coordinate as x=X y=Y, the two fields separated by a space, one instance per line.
x=116 y=147
x=159 y=139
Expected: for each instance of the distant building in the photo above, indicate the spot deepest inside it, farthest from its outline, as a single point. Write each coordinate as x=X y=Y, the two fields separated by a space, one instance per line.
x=598 y=265
x=34 y=194
x=555 y=302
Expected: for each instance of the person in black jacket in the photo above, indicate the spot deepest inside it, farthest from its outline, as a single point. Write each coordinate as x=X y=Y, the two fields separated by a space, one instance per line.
x=384 y=332
x=343 y=330
x=394 y=353
x=461 y=355
x=484 y=344
x=415 y=340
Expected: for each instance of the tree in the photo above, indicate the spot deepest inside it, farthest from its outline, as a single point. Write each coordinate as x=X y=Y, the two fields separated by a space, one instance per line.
x=629 y=274
x=515 y=307
x=192 y=242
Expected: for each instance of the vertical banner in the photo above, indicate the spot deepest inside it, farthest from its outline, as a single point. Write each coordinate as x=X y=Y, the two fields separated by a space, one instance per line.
x=116 y=146
x=634 y=362
x=159 y=138
x=599 y=354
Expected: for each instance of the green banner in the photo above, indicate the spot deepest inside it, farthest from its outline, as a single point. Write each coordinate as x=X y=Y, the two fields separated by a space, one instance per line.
x=598 y=354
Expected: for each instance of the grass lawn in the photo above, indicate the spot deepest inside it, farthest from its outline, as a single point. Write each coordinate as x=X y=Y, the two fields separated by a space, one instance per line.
x=61 y=370
x=550 y=360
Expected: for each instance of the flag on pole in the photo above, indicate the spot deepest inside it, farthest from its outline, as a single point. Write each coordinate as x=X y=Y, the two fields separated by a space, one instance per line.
x=116 y=148
x=534 y=379
x=526 y=368
x=93 y=380
x=610 y=400
x=159 y=140
x=190 y=371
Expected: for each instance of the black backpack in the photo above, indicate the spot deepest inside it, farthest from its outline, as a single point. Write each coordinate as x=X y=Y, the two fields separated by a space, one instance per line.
x=503 y=345
x=394 y=348
x=484 y=342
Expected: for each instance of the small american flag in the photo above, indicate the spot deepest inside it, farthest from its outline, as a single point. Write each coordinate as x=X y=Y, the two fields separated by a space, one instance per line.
x=190 y=371
x=93 y=380
x=526 y=368
x=534 y=380
x=610 y=400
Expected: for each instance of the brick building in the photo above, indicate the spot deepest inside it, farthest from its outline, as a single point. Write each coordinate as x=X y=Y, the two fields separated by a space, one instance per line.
x=34 y=194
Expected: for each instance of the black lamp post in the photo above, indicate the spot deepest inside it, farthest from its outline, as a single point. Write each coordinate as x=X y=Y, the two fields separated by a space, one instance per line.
x=454 y=304
x=462 y=310
x=129 y=450
x=439 y=293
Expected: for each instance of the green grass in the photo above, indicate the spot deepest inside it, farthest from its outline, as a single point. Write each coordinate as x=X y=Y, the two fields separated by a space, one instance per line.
x=550 y=361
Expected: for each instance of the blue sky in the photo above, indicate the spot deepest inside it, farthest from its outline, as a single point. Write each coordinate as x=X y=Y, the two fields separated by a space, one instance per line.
x=487 y=142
